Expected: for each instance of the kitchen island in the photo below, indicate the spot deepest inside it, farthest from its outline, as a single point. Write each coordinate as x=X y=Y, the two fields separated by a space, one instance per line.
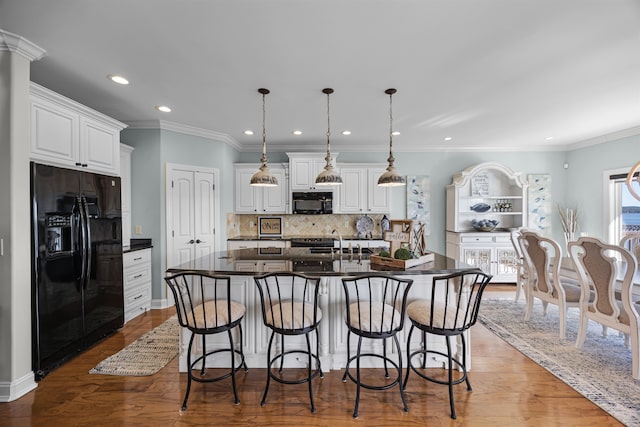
x=242 y=265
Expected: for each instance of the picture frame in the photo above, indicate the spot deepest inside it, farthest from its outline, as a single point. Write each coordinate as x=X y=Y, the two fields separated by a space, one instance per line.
x=270 y=226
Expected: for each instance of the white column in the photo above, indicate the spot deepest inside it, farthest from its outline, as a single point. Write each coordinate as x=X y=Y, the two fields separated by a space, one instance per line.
x=16 y=375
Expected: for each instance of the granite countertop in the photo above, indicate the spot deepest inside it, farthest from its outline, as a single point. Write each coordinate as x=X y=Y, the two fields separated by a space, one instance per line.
x=137 y=245
x=302 y=260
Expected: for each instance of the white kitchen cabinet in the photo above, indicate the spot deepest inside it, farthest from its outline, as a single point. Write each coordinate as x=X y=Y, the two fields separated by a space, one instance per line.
x=497 y=187
x=491 y=252
x=136 y=283
x=360 y=192
x=304 y=168
x=251 y=199
x=125 y=190
x=68 y=134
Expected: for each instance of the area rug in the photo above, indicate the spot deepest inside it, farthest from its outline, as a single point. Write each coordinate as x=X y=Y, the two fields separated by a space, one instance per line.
x=146 y=355
x=600 y=370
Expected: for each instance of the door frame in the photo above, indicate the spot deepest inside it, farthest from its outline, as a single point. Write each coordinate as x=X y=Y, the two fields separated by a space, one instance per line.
x=169 y=168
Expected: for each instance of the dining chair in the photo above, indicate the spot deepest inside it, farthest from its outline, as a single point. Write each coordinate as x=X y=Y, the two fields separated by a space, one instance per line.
x=204 y=307
x=631 y=242
x=375 y=308
x=542 y=256
x=449 y=312
x=289 y=304
x=608 y=271
x=521 y=274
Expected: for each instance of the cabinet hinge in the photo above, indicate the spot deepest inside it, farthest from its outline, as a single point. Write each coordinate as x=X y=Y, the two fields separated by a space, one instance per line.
x=173 y=233
x=172 y=184
x=213 y=186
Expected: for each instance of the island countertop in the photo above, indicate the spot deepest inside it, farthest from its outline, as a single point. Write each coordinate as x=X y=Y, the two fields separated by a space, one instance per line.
x=254 y=261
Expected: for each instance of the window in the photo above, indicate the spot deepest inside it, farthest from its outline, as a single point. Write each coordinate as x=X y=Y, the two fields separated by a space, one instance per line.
x=624 y=209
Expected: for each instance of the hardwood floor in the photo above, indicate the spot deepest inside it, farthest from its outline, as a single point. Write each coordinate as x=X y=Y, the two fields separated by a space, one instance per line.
x=508 y=390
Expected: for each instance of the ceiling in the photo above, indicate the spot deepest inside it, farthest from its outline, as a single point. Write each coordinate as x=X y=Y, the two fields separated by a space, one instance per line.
x=490 y=74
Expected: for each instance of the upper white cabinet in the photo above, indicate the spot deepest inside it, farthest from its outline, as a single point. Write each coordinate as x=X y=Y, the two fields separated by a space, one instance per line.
x=125 y=189
x=250 y=199
x=66 y=133
x=359 y=192
x=304 y=168
x=486 y=191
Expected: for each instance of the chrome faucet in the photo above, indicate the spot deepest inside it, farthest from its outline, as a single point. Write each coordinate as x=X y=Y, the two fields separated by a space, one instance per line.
x=339 y=236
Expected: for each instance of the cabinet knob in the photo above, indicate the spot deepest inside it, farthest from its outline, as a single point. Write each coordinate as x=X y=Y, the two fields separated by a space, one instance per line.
x=200 y=241
x=191 y=242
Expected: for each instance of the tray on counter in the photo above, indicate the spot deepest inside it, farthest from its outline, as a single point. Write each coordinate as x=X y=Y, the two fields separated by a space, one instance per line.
x=401 y=263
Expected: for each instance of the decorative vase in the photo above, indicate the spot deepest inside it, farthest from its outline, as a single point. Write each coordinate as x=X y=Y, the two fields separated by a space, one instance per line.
x=385 y=224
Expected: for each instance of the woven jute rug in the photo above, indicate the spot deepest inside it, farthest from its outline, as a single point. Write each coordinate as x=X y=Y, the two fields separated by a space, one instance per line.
x=600 y=370
x=146 y=355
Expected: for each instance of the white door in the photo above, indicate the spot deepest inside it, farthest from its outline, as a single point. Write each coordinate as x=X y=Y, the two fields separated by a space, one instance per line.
x=192 y=216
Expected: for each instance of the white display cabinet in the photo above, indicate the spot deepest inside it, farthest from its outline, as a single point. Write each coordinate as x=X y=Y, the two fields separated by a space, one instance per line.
x=489 y=191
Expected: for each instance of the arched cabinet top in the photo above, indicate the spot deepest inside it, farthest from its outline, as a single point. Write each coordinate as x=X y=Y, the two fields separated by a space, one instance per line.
x=461 y=178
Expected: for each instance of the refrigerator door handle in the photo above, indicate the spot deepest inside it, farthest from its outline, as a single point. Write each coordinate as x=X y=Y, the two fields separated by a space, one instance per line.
x=83 y=242
x=87 y=242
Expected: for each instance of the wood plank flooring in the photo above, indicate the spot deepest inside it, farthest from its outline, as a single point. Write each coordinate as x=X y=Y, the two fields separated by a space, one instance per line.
x=508 y=390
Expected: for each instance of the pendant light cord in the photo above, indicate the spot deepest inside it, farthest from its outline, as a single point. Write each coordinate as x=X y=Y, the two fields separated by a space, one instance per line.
x=328 y=91
x=391 y=159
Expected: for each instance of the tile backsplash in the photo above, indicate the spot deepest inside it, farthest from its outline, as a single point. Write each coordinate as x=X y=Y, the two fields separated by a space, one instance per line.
x=302 y=225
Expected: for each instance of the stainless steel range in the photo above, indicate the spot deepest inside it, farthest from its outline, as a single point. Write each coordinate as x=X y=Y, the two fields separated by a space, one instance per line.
x=312 y=242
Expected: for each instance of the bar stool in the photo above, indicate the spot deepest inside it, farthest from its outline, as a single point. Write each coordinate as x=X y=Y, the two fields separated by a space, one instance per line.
x=375 y=309
x=451 y=310
x=290 y=307
x=204 y=306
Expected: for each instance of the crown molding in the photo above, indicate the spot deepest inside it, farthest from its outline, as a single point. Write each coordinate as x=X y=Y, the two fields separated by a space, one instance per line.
x=185 y=129
x=613 y=136
x=14 y=43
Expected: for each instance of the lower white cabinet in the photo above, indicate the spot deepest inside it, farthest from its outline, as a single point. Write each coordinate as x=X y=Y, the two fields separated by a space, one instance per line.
x=492 y=252
x=137 y=283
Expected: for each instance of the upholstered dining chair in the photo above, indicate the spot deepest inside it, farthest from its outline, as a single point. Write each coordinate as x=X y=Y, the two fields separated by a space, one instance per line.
x=204 y=307
x=543 y=257
x=289 y=304
x=598 y=266
x=450 y=311
x=375 y=308
x=631 y=242
x=521 y=266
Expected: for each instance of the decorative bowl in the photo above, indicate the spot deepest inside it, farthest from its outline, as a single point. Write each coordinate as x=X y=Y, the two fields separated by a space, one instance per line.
x=484 y=224
x=480 y=207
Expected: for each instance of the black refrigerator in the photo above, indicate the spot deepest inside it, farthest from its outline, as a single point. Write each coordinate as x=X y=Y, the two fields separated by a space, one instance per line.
x=77 y=290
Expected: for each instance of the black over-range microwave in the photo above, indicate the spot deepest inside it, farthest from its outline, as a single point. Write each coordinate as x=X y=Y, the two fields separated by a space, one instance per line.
x=312 y=202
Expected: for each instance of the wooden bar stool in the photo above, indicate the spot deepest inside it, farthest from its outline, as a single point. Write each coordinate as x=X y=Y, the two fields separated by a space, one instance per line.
x=290 y=307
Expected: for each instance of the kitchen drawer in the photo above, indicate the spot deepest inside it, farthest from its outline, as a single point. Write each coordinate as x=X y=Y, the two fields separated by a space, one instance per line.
x=131 y=259
x=134 y=276
x=476 y=239
x=135 y=295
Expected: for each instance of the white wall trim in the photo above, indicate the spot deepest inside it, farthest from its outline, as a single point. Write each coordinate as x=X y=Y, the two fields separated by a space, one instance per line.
x=20 y=45
x=10 y=391
x=185 y=129
x=609 y=137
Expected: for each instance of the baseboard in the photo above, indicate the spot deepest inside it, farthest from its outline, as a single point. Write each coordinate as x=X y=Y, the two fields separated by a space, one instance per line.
x=158 y=304
x=10 y=391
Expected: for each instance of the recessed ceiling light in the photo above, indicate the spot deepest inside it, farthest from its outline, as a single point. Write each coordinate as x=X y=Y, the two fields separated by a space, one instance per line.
x=248 y=132
x=163 y=108
x=118 y=79
x=297 y=132
x=448 y=138
x=346 y=132
x=549 y=138
x=395 y=133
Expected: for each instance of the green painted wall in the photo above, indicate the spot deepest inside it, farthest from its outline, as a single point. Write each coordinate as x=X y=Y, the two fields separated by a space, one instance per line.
x=578 y=186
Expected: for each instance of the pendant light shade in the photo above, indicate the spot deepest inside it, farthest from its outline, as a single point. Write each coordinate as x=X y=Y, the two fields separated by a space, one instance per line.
x=328 y=176
x=263 y=177
x=390 y=177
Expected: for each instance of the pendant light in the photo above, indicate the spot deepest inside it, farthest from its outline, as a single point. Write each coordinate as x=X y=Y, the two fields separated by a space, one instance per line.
x=328 y=176
x=390 y=177
x=263 y=177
